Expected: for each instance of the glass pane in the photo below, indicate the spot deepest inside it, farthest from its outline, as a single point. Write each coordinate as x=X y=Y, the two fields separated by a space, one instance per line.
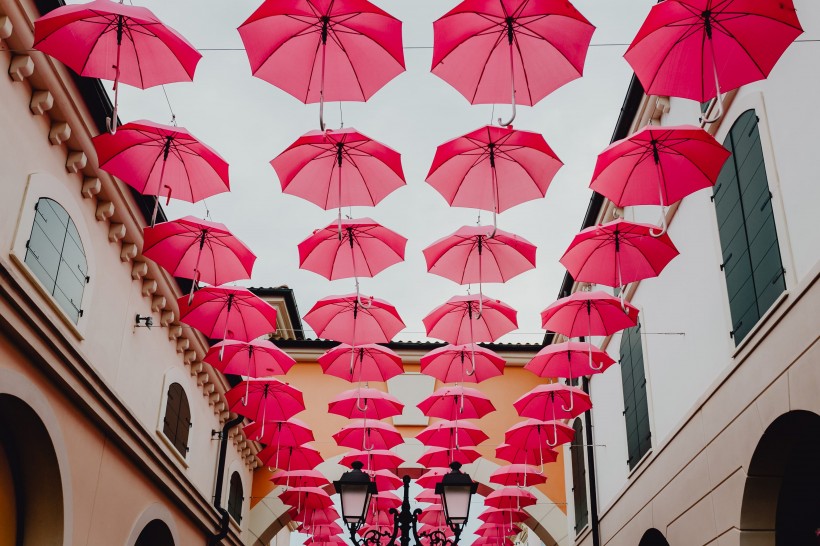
x=353 y=502
x=457 y=503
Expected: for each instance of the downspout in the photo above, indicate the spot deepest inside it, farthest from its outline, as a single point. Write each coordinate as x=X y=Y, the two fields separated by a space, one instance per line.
x=216 y=538
x=593 y=486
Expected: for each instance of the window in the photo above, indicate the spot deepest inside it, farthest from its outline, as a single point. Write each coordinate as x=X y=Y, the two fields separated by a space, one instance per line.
x=748 y=237
x=177 y=422
x=579 y=477
x=636 y=410
x=235 y=498
x=55 y=254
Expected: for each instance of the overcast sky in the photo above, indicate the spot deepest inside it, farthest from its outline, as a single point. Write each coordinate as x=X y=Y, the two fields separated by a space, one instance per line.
x=249 y=121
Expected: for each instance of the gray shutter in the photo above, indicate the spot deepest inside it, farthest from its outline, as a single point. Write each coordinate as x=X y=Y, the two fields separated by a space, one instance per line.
x=579 y=477
x=636 y=407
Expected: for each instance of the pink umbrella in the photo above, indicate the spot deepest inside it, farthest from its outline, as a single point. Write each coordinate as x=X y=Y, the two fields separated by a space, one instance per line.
x=458 y=320
x=428 y=495
x=533 y=433
x=427 y=530
x=456 y=403
x=300 y=478
x=290 y=457
x=546 y=44
x=537 y=456
x=379 y=518
x=493 y=541
x=318 y=50
x=351 y=319
x=385 y=500
x=292 y=432
x=498 y=531
x=311 y=519
x=493 y=168
x=503 y=516
x=571 y=359
x=257 y=358
x=114 y=41
x=658 y=166
x=325 y=541
x=376 y=459
x=339 y=168
x=517 y=474
x=306 y=498
x=365 y=402
x=447 y=363
x=385 y=481
x=588 y=314
x=452 y=435
x=225 y=311
x=362 y=432
x=384 y=528
x=371 y=363
x=510 y=497
x=432 y=477
x=157 y=159
x=441 y=456
x=198 y=249
x=265 y=399
x=432 y=515
x=323 y=530
x=618 y=253
x=550 y=401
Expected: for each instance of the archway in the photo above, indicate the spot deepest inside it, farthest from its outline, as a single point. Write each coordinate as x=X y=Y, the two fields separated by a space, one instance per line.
x=781 y=500
x=156 y=533
x=31 y=463
x=653 y=537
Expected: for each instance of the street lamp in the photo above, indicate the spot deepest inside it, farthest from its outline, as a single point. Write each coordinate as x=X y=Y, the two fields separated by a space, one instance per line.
x=355 y=488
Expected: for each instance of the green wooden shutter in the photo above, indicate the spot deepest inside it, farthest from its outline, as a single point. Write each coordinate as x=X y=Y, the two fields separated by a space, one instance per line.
x=748 y=237
x=579 y=477
x=636 y=407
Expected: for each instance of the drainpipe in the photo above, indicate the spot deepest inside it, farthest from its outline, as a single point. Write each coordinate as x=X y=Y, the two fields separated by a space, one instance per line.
x=216 y=538
x=593 y=487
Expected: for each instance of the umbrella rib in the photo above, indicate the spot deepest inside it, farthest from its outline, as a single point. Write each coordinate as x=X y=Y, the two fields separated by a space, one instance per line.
x=106 y=28
x=743 y=47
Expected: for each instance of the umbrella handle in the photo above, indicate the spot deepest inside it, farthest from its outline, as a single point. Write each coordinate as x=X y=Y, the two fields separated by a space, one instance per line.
x=564 y=408
x=472 y=371
x=592 y=365
x=719 y=97
x=111 y=123
x=512 y=86
x=664 y=226
x=480 y=301
x=322 y=90
x=358 y=400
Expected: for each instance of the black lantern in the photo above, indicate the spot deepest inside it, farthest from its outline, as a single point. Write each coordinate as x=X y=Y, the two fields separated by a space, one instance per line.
x=456 y=490
x=355 y=489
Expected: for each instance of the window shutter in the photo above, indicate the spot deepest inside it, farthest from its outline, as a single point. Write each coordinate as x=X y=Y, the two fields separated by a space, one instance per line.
x=177 y=423
x=579 y=479
x=636 y=407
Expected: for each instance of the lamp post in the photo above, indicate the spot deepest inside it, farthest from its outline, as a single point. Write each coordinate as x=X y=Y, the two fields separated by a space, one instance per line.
x=455 y=488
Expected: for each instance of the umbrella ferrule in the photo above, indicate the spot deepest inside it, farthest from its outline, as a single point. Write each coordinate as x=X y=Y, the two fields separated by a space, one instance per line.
x=707 y=22
x=491 y=147
x=202 y=237
x=166 y=149
x=617 y=241
x=480 y=245
x=120 y=28
x=509 y=22
x=325 y=25
x=350 y=236
x=655 y=153
x=230 y=302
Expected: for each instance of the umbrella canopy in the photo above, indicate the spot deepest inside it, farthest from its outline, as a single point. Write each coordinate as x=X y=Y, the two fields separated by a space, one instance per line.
x=368 y=435
x=533 y=433
x=519 y=455
x=386 y=481
x=456 y=403
x=488 y=49
x=432 y=477
x=589 y=314
x=441 y=456
x=323 y=530
x=371 y=362
x=697 y=49
x=510 y=497
x=265 y=399
x=432 y=515
x=493 y=168
x=452 y=363
x=198 y=249
x=570 y=359
x=257 y=358
x=503 y=517
x=458 y=321
x=658 y=166
x=379 y=518
x=313 y=518
x=291 y=458
x=220 y=312
x=451 y=435
x=493 y=541
x=497 y=530
x=376 y=459
x=550 y=402
x=425 y=530
x=618 y=253
x=339 y=168
x=353 y=320
x=319 y=540
x=428 y=495
x=385 y=500
x=521 y=475
x=306 y=498
x=368 y=403
x=353 y=248
x=292 y=432
x=302 y=478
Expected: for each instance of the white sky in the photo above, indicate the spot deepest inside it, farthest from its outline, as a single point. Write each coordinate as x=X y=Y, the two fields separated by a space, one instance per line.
x=248 y=121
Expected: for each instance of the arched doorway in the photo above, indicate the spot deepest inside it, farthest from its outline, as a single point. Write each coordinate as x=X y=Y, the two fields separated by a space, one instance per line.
x=781 y=500
x=30 y=462
x=156 y=533
x=653 y=537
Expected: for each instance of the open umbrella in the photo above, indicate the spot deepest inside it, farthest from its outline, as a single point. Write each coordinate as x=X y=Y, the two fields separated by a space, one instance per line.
x=432 y=477
x=658 y=166
x=551 y=402
x=325 y=541
x=291 y=457
x=458 y=320
x=441 y=456
x=510 y=497
x=301 y=478
x=157 y=159
x=365 y=402
x=447 y=364
x=115 y=41
x=306 y=498
x=386 y=481
x=697 y=49
x=510 y=51
x=588 y=314
x=499 y=530
x=428 y=496
x=371 y=362
x=503 y=516
x=451 y=435
x=570 y=359
x=456 y=403
x=321 y=531
x=376 y=459
x=517 y=474
x=493 y=168
x=520 y=455
x=353 y=320
x=361 y=432
x=265 y=399
x=313 y=518
x=318 y=50
x=291 y=432
x=493 y=541
x=257 y=358
x=432 y=515
x=533 y=433
x=385 y=499
x=220 y=312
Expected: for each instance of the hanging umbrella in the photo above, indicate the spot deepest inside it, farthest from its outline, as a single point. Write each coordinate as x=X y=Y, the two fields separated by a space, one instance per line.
x=498 y=529
x=510 y=497
x=618 y=253
x=503 y=516
x=376 y=459
x=432 y=515
x=493 y=541
x=322 y=530
x=571 y=359
x=365 y=402
x=198 y=249
x=386 y=481
x=533 y=433
x=318 y=50
x=447 y=364
x=292 y=432
x=658 y=166
x=339 y=168
x=493 y=168
x=441 y=456
x=432 y=477
x=428 y=495
x=385 y=529
x=157 y=159
x=114 y=41
x=379 y=519
x=265 y=399
x=368 y=435
x=385 y=500
x=257 y=358
x=325 y=541
x=351 y=319
x=452 y=435
x=291 y=457
x=301 y=478
x=220 y=312
x=698 y=49
x=522 y=475
x=588 y=314
x=511 y=51
x=306 y=498
x=313 y=518
x=551 y=402
x=426 y=530
x=537 y=456
x=456 y=403
x=458 y=320
x=371 y=363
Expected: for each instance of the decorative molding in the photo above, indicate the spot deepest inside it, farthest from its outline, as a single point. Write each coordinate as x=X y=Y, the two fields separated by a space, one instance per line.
x=189 y=355
x=41 y=102
x=21 y=67
x=157 y=303
x=91 y=187
x=60 y=132
x=6 y=28
x=149 y=286
x=128 y=252
x=182 y=345
x=76 y=162
x=139 y=270
x=116 y=232
x=105 y=210
x=175 y=332
x=166 y=317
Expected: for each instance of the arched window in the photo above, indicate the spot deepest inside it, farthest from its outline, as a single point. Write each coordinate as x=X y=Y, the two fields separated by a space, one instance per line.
x=177 y=422
x=748 y=236
x=55 y=254
x=156 y=533
x=653 y=537
x=579 y=477
x=636 y=407
x=235 y=497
